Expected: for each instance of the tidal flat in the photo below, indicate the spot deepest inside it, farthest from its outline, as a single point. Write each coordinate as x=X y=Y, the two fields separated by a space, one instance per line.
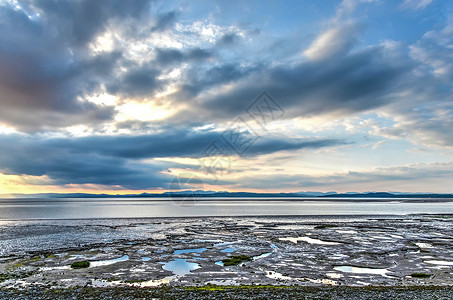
x=412 y=251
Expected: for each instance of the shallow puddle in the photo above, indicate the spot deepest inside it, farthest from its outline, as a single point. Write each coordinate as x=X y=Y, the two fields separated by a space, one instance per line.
x=55 y=268
x=228 y=250
x=75 y=256
x=308 y=240
x=262 y=255
x=100 y=263
x=185 y=251
x=347 y=231
x=180 y=266
x=226 y=243
x=439 y=262
x=359 y=270
x=424 y=245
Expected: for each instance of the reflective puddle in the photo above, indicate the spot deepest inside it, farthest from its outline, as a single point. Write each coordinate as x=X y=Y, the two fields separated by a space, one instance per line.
x=439 y=262
x=180 y=266
x=424 y=245
x=108 y=262
x=185 y=251
x=74 y=256
x=228 y=250
x=359 y=270
x=308 y=240
x=262 y=255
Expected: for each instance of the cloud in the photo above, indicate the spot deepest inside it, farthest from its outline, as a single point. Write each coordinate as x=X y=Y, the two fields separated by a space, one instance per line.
x=170 y=56
x=428 y=126
x=435 y=176
x=136 y=82
x=228 y=39
x=336 y=40
x=44 y=87
x=424 y=114
x=434 y=52
x=85 y=48
x=165 y=21
x=165 y=68
x=78 y=22
x=416 y=4
x=118 y=160
x=335 y=77
x=35 y=156
x=356 y=82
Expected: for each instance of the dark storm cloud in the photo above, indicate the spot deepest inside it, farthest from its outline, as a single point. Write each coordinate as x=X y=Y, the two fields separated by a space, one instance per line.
x=115 y=160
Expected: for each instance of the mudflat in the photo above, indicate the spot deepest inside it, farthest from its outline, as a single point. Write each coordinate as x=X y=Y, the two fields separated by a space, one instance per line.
x=277 y=256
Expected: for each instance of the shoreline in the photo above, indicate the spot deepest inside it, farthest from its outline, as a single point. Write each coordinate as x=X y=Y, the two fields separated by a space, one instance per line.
x=280 y=216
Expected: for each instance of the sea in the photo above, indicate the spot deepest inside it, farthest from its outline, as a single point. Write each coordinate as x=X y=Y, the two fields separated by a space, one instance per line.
x=100 y=208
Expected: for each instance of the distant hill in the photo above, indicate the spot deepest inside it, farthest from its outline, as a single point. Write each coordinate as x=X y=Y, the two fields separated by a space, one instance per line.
x=388 y=195
x=224 y=194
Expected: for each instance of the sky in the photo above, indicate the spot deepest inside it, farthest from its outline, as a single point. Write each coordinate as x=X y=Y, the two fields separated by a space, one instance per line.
x=115 y=96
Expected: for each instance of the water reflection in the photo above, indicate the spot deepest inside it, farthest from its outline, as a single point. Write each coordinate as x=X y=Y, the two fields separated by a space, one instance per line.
x=360 y=270
x=186 y=251
x=75 y=208
x=109 y=261
x=180 y=266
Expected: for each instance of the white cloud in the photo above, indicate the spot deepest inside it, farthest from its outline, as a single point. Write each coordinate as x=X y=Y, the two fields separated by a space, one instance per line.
x=435 y=52
x=416 y=4
x=336 y=40
x=424 y=112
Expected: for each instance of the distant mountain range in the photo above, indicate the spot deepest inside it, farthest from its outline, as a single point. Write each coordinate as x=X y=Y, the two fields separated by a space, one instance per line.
x=224 y=194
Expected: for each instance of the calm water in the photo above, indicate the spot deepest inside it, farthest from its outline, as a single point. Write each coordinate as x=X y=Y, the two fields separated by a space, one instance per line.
x=23 y=209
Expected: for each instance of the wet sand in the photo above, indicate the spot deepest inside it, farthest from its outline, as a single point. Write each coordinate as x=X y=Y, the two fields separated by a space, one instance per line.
x=337 y=251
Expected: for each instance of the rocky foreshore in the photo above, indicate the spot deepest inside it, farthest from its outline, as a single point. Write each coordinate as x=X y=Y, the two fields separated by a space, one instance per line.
x=409 y=257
